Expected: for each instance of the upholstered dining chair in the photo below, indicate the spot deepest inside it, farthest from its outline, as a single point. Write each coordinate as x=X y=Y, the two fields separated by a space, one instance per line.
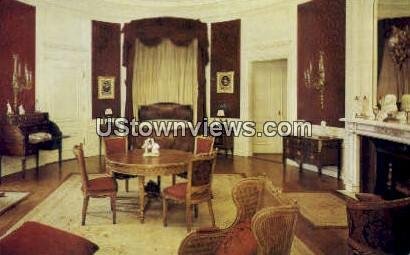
x=203 y=145
x=265 y=224
x=117 y=144
x=99 y=187
x=198 y=188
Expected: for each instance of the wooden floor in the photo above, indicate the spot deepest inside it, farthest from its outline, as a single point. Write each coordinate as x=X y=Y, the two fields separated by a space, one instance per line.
x=321 y=241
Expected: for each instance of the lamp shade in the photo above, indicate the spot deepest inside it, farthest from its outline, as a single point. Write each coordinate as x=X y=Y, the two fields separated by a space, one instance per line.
x=108 y=111
x=220 y=113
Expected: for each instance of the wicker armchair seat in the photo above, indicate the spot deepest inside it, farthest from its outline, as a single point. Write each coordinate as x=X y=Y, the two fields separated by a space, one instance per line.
x=272 y=218
x=239 y=241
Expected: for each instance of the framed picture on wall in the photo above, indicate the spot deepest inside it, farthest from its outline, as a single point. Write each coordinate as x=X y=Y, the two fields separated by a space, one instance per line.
x=106 y=87
x=225 y=82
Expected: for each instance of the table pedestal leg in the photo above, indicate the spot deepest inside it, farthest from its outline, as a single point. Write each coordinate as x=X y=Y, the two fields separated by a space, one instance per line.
x=141 y=184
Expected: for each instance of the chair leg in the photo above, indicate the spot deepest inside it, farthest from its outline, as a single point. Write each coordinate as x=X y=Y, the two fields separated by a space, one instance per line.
x=196 y=211
x=188 y=217
x=114 y=208
x=127 y=189
x=85 y=205
x=211 y=212
x=164 y=211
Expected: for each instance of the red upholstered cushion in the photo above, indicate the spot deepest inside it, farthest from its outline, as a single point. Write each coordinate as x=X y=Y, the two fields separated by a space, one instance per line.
x=34 y=238
x=177 y=190
x=240 y=241
x=102 y=184
x=203 y=145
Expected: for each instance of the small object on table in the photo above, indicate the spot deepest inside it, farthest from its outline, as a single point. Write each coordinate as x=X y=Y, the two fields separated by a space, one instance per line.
x=151 y=148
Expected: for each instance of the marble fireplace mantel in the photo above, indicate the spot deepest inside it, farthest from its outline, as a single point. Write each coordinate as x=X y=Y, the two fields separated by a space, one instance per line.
x=354 y=129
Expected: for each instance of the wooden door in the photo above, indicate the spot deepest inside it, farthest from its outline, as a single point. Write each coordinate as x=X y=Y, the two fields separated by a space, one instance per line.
x=269 y=84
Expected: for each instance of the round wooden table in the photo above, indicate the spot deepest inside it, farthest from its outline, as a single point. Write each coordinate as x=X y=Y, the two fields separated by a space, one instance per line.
x=169 y=162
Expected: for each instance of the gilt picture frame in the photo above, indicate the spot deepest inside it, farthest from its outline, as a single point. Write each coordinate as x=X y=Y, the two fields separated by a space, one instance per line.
x=225 y=82
x=106 y=87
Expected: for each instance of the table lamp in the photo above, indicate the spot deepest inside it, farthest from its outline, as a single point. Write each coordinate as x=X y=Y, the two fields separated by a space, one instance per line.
x=220 y=113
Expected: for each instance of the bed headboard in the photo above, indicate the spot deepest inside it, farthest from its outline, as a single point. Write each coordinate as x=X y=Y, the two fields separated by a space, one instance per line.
x=169 y=111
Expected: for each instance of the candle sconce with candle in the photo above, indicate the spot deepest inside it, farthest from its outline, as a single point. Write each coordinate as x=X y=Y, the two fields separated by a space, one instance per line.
x=20 y=81
x=316 y=78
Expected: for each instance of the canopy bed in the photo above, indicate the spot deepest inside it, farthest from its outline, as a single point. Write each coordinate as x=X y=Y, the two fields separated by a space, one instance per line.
x=166 y=112
x=154 y=49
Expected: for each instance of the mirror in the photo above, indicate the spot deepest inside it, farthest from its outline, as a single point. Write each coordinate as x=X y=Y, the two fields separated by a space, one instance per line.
x=393 y=48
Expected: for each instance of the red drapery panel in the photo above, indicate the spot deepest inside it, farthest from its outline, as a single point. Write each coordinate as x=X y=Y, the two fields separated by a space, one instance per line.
x=225 y=57
x=106 y=61
x=17 y=36
x=151 y=32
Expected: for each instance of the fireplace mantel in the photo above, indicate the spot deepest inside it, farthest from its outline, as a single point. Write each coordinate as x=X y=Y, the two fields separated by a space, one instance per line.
x=354 y=129
x=395 y=132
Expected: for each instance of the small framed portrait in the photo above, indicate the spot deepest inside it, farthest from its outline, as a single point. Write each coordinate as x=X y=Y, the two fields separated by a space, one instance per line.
x=225 y=82
x=106 y=87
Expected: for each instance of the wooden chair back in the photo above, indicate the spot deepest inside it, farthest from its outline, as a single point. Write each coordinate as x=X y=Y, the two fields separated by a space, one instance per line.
x=115 y=144
x=204 y=145
x=200 y=172
x=274 y=229
x=79 y=154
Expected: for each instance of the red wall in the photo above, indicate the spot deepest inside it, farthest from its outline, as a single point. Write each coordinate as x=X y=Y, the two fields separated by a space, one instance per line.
x=17 y=36
x=322 y=26
x=226 y=56
x=106 y=61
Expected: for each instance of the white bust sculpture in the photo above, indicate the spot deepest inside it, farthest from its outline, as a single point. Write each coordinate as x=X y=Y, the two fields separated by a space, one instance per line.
x=389 y=104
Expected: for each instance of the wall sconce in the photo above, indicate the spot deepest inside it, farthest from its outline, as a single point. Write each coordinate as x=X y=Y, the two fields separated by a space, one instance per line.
x=316 y=78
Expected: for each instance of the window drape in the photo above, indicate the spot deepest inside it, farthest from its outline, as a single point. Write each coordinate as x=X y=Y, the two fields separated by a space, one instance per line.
x=165 y=73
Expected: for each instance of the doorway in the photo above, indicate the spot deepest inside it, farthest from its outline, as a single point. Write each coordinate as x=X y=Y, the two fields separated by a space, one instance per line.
x=269 y=82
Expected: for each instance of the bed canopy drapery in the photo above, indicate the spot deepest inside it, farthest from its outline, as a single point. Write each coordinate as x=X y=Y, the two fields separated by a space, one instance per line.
x=152 y=32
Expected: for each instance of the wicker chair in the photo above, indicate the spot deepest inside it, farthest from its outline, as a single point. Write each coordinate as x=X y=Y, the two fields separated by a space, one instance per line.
x=273 y=220
x=274 y=229
x=198 y=188
x=117 y=144
x=378 y=226
x=96 y=188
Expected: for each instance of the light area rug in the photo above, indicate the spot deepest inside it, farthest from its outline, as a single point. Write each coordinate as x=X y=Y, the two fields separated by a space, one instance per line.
x=62 y=209
x=10 y=199
x=323 y=210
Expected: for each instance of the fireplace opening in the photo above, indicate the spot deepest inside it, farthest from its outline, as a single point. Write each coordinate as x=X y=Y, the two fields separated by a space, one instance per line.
x=384 y=168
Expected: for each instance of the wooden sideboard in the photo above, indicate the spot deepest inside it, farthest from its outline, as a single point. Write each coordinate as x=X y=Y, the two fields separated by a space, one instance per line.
x=316 y=150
